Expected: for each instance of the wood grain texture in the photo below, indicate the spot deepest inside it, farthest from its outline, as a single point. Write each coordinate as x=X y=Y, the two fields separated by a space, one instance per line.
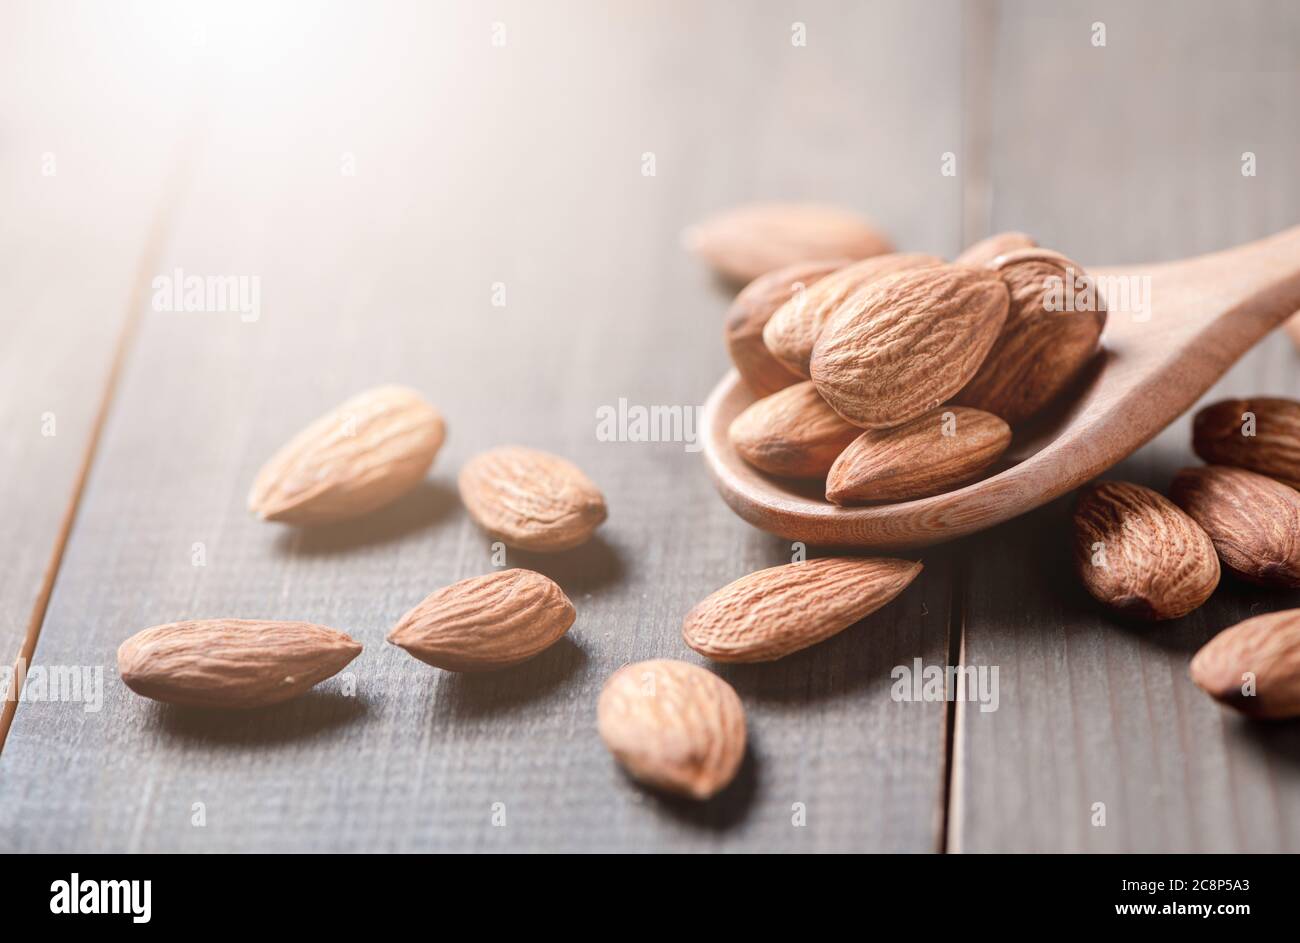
x=80 y=201
x=1093 y=710
x=477 y=165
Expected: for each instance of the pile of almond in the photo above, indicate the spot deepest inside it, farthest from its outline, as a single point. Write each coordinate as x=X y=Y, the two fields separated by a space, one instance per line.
x=1153 y=558
x=900 y=375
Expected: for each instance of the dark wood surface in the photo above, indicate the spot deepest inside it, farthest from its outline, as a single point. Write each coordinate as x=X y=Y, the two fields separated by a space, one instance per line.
x=523 y=165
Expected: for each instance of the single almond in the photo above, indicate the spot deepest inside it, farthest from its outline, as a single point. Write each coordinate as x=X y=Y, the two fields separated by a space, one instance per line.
x=1052 y=331
x=748 y=241
x=933 y=453
x=792 y=433
x=1254 y=666
x=673 y=726
x=366 y=453
x=486 y=622
x=1261 y=434
x=793 y=330
x=752 y=310
x=530 y=499
x=775 y=612
x=1139 y=554
x=986 y=250
x=1253 y=520
x=232 y=663
x=905 y=343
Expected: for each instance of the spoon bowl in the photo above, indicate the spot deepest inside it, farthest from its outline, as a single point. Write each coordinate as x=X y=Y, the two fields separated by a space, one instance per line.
x=1182 y=325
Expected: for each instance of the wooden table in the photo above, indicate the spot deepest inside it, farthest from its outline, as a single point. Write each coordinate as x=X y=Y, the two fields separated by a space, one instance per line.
x=382 y=171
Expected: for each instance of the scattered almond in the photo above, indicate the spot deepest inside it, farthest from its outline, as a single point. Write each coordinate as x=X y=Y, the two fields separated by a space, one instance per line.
x=793 y=330
x=1139 y=554
x=792 y=433
x=1254 y=666
x=232 y=663
x=907 y=342
x=366 y=453
x=934 y=453
x=673 y=726
x=486 y=622
x=1261 y=434
x=1041 y=350
x=748 y=241
x=775 y=612
x=531 y=500
x=986 y=250
x=1253 y=520
x=751 y=311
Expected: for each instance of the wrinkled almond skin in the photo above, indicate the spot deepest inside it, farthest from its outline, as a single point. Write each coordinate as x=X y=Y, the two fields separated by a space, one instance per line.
x=934 y=453
x=793 y=330
x=531 y=500
x=754 y=307
x=775 y=612
x=986 y=250
x=743 y=243
x=366 y=453
x=232 y=663
x=1267 y=647
x=673 y=726
x=486 y=622
x=1158 y=562
x=1039 y=352
x=1253 y=520
x=1219 y=436
x=792 y=433
x=904 y=344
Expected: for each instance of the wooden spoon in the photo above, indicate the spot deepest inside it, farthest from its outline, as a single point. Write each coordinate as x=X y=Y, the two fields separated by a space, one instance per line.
x=1204 y=314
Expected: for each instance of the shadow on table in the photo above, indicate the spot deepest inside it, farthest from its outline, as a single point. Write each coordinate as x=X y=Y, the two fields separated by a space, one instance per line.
x=317 y=712
x=583 y=569
x=427 y=504
x=725 y=810
x=502 y=692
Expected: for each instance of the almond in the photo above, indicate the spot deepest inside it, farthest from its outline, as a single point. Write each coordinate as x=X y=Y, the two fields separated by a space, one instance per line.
x=532 y=500
x=774 y=612
x=793 y=330
x=486 y=622
x=1138 y=553
x=933 y=453
x=904 y=344
x=1254 y=666
x=1041 y=350
x=1261 y=434
x=986 y=250
x=1254 y=521
x=232 y=663
x=748 y=241
x=366 y=453
x=751 y=311
x=792 y=433
x=673 y=726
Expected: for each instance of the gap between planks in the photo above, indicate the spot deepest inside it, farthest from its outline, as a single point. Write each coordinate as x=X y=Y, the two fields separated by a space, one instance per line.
x=979 y=29
x=155 y=238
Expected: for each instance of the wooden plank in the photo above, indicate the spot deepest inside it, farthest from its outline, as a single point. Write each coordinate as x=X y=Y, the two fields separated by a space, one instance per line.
x=81 y=195
x=476 y=165
x=1126 y=153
